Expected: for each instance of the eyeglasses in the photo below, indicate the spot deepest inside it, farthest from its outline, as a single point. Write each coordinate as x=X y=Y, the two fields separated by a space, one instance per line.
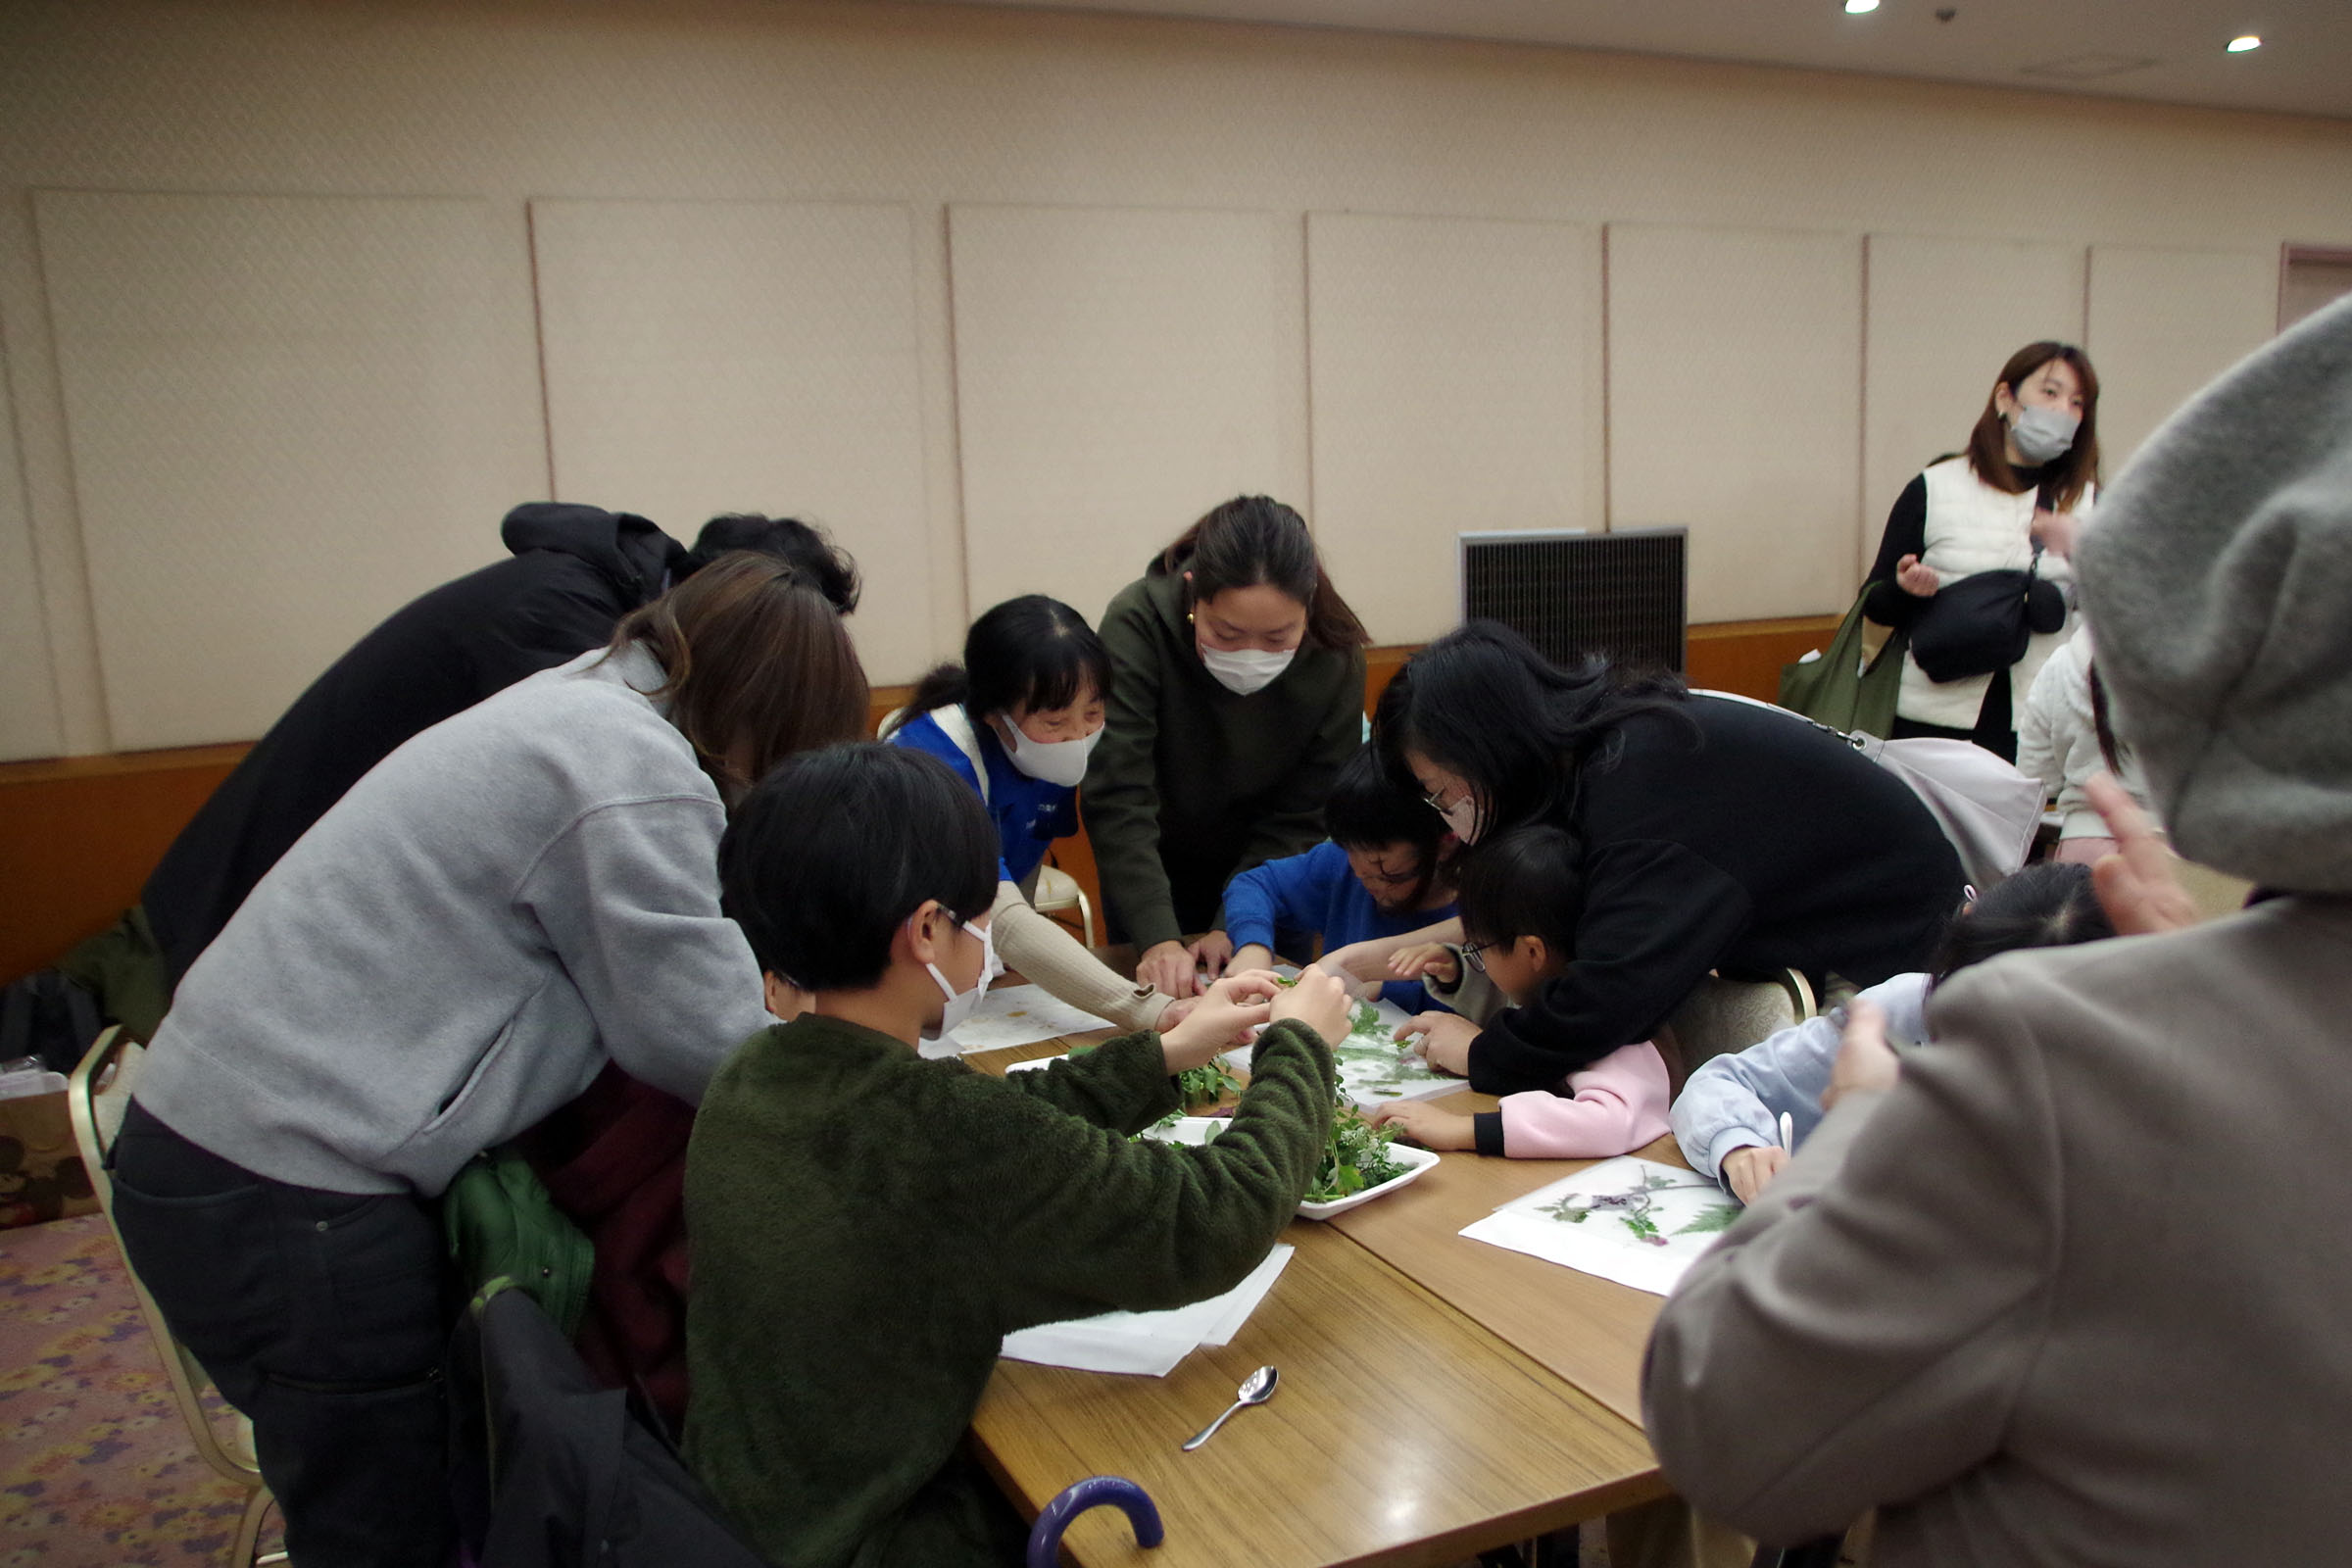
x=1472 y=949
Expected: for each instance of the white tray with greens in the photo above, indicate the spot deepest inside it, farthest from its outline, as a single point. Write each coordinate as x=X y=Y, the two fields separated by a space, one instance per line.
x=1361 y=1162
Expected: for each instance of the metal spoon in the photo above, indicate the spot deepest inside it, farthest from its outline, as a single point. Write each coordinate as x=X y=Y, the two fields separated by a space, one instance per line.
x=1257 y=1390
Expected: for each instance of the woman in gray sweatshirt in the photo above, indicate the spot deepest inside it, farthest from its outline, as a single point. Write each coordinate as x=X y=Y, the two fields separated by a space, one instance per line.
x=506 y=902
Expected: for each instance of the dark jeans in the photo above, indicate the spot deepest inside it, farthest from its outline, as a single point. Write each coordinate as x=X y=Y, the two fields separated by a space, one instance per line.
x=321 y=1316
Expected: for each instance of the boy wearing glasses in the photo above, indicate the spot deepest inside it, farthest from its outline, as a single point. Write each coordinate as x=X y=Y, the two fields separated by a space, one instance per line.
x=1518 y=894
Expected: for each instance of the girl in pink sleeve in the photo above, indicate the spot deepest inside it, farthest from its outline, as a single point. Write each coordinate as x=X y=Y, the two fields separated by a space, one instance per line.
x=1518 y=899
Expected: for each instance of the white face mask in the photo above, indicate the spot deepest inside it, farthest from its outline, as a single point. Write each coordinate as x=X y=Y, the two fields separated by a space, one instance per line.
x=961 y=1002
x=2040 y=435
x=1061 y=763
x=1247 y=669
x=1462 y=817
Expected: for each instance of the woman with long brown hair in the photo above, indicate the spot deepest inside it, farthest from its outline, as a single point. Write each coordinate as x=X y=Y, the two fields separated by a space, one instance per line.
x=514 y=898
x=2008 y=504
x=1237 y=690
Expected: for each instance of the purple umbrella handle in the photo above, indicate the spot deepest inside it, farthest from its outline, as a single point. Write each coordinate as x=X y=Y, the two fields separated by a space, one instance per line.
x=1045 y=1537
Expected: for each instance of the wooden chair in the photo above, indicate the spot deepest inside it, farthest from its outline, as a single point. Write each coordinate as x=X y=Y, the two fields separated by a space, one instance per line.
x=97 y=1096
x=1726 y=1015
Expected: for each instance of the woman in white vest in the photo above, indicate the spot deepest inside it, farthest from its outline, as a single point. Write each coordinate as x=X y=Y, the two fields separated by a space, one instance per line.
x=1016 y=721
x=2009 y=503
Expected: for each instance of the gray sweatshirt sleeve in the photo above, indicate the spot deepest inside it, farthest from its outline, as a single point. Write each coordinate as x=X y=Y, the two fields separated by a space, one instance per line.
x=1734 y=1102
x=628 y=897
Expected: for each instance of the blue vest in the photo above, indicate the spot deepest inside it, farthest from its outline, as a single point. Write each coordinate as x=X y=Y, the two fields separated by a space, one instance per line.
x=1029 y=812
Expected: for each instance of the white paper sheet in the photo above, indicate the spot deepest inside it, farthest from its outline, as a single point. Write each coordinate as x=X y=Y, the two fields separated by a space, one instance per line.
x=1014 y=1015
x=1648 y=1252
x=1374 y=1069
x=1149 y=1343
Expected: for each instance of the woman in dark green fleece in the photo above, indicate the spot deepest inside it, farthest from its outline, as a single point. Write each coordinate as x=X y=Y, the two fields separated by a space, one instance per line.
x=868 y=1225
x=1237 y=691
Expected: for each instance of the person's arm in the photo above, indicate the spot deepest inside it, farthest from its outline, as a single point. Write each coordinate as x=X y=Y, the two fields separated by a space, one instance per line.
x=1048 y=956
x=1860 y=1336
x=1079 y=1221
x=1906 y=536
x=1291 y=893
x=2041 y=723
x=1120 y=798
x=1656 y=918
x=1292 y=818
x=1736 y=1100
x=628 y=897
x=1617 y=1103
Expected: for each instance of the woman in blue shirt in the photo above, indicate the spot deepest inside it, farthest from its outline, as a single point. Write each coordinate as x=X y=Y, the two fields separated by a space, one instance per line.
x=1380 y=877
x=1016 y=721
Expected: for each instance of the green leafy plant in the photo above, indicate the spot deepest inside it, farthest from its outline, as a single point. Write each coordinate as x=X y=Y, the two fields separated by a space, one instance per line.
x=1634 y=1208
x=1206 y=1084
x=1357 y=1157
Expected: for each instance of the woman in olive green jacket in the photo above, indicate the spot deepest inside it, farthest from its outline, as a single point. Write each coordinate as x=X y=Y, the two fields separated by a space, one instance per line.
x=1237 y=691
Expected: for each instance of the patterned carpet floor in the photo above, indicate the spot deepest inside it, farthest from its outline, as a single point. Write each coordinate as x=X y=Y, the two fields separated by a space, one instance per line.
x=95 y=1465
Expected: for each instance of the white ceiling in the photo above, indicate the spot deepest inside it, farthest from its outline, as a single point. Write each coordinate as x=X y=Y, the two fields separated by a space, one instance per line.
x=2170 y=51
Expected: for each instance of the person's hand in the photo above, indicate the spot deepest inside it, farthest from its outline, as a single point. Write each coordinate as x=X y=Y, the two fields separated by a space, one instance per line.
x=2056 y=531
x=1427 y=1125
x=1866 y=1062
x=1915 y=579
x=1219 y=1019
x=1249 y=956
x=2136 y=885
x=1175 y=1013
x=1318 y=1001
x=1426 y=959
x=1167 y=966
x=1748 y=1170
x=1213 y=952
x=1442 y=1038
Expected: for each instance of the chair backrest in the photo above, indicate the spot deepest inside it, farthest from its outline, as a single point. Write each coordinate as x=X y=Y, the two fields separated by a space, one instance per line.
x=571 y=1476
x=1726 y=1015
x=97 y=1097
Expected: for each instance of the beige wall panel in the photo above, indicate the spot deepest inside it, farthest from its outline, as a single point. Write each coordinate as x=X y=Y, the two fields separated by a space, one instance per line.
x=2164 y=322
x=286 y=416
x=28 y=718
x=1117 y=373
x=710 y=357
x=1735 y=408
x=1944 y=314
x=1455 y=374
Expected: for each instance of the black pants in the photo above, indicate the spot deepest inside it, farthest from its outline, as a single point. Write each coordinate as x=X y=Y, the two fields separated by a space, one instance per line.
x=1995 y=731
x=321 y=1316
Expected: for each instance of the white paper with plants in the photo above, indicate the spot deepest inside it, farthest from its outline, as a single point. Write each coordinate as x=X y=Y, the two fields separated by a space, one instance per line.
x=1631 y=1220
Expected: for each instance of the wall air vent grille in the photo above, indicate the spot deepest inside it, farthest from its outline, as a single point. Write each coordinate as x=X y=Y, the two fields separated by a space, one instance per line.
x=1623 y=595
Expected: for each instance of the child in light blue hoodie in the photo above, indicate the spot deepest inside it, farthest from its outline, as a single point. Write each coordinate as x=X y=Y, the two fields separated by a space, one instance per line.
x=1728 y=1116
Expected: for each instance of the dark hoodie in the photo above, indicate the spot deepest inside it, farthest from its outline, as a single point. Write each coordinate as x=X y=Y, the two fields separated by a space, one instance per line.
x=576 y=571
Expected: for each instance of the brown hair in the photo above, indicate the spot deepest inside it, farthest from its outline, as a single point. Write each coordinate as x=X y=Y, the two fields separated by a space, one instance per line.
x=758 y=664
x=1255 y=539
x=2068 y=474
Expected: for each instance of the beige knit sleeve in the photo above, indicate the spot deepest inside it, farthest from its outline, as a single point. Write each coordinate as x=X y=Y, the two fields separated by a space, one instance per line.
x=1047 y=955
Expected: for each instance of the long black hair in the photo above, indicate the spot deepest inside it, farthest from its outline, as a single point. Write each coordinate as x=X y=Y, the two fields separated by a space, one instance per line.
x=1029 y=653
x=2048 y=904
x=1482 y=702
x=1255 y=539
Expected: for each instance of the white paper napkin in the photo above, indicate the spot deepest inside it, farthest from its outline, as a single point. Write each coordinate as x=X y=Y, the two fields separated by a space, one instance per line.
x=1150 y=1343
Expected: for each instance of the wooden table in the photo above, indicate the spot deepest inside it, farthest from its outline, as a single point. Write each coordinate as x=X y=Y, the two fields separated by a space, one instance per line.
x=1407 y=1430
x=1588 y=1330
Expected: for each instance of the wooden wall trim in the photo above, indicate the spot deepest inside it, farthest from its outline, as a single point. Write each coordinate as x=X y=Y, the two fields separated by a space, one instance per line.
x=78 y=835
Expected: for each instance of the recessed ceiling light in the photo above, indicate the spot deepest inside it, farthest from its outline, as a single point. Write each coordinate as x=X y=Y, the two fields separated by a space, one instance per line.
x=1856 y=8
x=2237 y=46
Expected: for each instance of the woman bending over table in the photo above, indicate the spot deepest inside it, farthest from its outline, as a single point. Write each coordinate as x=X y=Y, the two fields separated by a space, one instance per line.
x=1237 y=690
x=1710 y=834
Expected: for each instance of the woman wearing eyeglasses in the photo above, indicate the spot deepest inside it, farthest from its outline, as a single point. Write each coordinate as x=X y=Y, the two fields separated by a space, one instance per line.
x=1709 y=834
